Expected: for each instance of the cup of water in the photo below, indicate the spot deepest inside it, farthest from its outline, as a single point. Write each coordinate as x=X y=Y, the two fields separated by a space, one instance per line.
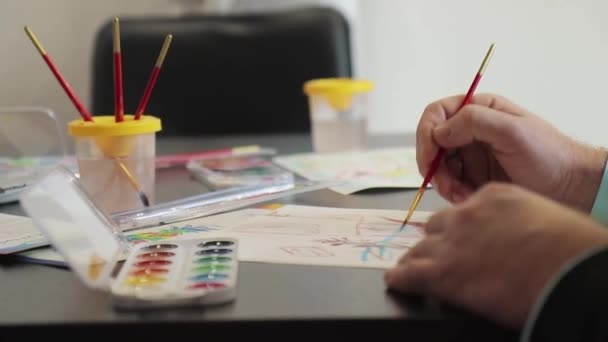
x=116 y=160
x=338 y=113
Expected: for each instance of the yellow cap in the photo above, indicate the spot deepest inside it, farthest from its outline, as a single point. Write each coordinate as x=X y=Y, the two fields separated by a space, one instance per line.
x=106 y=126
x=115 y=139
x=337 y=91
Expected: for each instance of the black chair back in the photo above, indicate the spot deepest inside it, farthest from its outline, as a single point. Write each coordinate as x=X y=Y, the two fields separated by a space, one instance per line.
x=224 y=74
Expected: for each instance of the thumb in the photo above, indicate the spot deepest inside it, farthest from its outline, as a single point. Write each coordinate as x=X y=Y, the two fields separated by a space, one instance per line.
x=475 y=122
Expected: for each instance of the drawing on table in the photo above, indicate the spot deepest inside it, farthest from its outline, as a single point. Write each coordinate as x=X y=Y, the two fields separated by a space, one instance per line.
x=166 y=233
x=295 y=228
x=386 y=225
x=358 y=170
x=310 y=235
x=362 y=243
x=307 y=251
x=419 y=226
x=354 y=237
x=312 y=216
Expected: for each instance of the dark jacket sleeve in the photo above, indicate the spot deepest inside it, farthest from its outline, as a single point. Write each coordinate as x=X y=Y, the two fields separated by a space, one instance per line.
x=575 y=306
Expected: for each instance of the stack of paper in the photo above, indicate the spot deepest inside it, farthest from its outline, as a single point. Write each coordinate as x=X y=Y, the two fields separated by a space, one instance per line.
x=18 y=233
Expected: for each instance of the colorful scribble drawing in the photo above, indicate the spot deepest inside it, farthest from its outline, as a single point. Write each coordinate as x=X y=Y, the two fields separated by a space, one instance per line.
x=384 y=249
x=312 y=235
x=416 y=225
x=166 y=233
x=307 y=251
x=363 y=243
x=372 y=237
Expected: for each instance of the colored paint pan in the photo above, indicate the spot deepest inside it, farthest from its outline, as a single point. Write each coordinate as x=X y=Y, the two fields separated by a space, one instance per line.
x=160 y=246
x=213 y=259
x=152 y=263
x=210 y=268
x=156 y=255
x=216 y=244
x=209 y=276
x=206 y=286
x=214 y=251
x=144 y=280
x=149 y=271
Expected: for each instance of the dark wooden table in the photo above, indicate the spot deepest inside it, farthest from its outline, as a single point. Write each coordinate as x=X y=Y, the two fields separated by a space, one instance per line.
x=274 y=301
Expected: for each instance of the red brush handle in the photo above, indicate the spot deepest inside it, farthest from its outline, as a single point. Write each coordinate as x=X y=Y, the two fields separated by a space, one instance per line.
x=64 y=84
x=147 y=92
x=437 y=161
x=118 y=100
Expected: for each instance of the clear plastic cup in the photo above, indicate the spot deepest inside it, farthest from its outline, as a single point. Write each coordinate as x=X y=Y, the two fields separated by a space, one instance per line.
x=116 y=160
x=338 y=113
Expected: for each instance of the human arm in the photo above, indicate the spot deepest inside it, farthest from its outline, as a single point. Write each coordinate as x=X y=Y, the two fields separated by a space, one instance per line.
x=574 y=305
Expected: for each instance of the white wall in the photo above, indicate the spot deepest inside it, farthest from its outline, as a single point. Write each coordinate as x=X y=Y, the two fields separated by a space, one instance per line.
x=66 y=30
x=550 y=54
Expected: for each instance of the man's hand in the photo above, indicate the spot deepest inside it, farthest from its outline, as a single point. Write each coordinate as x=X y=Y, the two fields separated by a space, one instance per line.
x=494 y=253
x=493 y=139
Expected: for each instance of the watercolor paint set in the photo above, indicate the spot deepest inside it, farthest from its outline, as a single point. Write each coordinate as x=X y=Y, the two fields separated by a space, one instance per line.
x=184 y=272
x=188 y=272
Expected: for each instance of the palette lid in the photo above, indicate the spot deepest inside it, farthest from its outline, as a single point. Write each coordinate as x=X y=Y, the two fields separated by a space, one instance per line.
x=83 y=235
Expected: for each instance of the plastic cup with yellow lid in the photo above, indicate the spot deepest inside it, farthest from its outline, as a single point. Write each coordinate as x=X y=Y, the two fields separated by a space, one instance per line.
x=338 y=113
x=116 y=160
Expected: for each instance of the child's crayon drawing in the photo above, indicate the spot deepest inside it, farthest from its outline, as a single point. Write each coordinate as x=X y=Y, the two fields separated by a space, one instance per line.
x=309 y=235
x=358 y=170
x=166 y=233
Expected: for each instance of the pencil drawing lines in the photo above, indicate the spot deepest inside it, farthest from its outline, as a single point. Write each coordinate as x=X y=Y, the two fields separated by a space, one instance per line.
x=419 y=226
x=307 y=251
x=317 y=217
x=280 y=228
x=358 y=226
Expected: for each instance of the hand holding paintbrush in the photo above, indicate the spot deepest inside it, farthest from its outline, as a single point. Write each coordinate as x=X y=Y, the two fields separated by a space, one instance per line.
x=439 y=157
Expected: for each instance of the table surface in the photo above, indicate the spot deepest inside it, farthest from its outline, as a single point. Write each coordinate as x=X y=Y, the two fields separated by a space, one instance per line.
x=41 y=300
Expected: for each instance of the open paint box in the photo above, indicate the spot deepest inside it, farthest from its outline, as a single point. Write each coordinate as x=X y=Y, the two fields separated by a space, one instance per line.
x=154 y=275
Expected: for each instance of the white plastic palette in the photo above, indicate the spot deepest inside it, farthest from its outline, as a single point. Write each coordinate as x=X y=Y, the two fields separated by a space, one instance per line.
x=191 y=271
x=174 y=273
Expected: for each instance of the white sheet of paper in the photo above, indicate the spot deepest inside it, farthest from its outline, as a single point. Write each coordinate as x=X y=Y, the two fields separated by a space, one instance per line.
x=189 y=229
x=292 y=234
x=18 y=233
x=305 y=235
x=359 y=170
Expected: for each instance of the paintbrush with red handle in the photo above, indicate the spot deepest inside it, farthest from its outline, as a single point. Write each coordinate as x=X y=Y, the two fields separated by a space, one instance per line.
x=438 y=158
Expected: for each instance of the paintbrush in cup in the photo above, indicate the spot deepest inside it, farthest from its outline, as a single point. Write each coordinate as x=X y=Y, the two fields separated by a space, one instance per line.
x=84 y=113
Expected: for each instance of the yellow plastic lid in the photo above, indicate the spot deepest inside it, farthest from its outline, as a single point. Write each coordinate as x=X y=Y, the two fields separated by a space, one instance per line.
x=337 y=91
x=337 y=85
x=106 y=126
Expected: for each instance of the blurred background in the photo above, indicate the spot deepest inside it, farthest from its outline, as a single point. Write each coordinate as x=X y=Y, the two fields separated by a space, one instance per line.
x=550 y=54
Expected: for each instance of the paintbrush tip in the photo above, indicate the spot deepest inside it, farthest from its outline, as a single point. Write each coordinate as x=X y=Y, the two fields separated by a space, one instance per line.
x=144 y=199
